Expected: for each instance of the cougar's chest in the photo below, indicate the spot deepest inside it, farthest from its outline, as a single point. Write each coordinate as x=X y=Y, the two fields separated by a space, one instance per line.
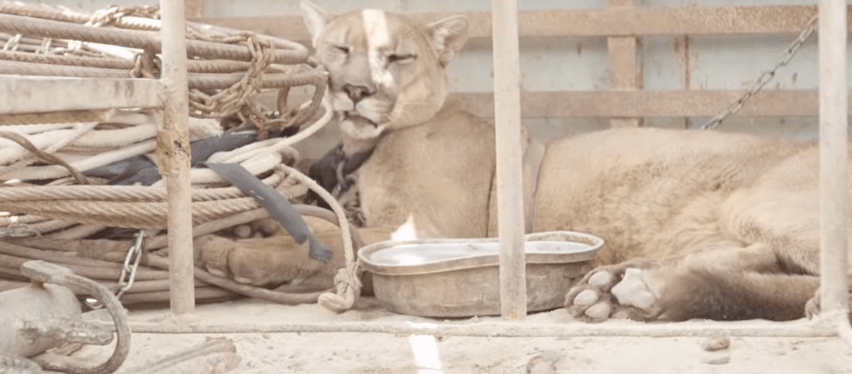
x=434 y=179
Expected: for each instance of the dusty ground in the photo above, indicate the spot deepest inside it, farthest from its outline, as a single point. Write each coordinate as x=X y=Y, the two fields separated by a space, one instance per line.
x=359 y=352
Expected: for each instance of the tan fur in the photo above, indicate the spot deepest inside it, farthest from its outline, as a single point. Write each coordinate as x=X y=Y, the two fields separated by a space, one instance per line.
x=683 y=207
x=415 y=122
x=278 y=259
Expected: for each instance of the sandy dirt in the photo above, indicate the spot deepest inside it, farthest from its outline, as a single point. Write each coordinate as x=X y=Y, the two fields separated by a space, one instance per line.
x=360 y=352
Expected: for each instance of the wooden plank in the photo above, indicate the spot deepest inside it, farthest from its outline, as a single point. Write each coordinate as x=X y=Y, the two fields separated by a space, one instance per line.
x=727 y=20
x=833 y=156
x=675 y=103
x=624 y=66
x=510 y=188
x=173 y=156
x=40 y=94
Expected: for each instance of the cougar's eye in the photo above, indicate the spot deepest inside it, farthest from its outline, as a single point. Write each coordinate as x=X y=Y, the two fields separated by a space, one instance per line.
x=401 y=57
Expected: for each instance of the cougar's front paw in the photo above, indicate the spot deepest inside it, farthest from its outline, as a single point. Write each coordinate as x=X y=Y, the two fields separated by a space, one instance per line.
x=260 y=262
x=590 y=299
x=612 y=292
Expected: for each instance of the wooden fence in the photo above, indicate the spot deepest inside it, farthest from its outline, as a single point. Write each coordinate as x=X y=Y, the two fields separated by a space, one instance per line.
x=623 y=24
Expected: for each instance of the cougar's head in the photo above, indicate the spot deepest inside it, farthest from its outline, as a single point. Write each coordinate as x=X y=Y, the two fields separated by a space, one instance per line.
x=387 y=71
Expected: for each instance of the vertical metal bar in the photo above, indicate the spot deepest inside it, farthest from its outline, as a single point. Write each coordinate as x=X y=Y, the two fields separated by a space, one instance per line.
x=510 y=201
x=173 y=153
x=833 y=161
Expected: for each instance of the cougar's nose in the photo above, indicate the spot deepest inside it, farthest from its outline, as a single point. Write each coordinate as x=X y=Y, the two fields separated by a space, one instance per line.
x=358 y=92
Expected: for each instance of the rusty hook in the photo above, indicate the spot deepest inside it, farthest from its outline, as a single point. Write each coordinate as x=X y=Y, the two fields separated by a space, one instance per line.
x=45 y=272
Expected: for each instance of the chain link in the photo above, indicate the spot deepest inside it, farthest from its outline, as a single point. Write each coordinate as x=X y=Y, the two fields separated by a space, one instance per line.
x=236 y=99
x=765 y=78
x=131 y=264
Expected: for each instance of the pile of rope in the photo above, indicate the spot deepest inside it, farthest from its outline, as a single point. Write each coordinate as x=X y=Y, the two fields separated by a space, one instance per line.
x=226 y=67
x=48 y=203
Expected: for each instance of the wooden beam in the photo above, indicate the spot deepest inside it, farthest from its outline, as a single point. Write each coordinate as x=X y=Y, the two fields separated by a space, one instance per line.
x=510 y=187
x=173 y=156
x=674 y=103
x=53 y=94
x=728 y=20
x=833 y=157
x=625 y=69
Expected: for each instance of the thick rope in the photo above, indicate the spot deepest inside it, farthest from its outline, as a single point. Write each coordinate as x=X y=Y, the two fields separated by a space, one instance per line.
x=270 y=80
x=252 y=57
x=52 y=172
x=125 y=19
x=134 y=214
x=238 y=62
x=257 y=165
x=135 y=39
x=347 y=280
x=121 y=193
x=78 y=131
x=107 y=63
x=100 y=144
x=277 y=144
x=48 y=141
x=47 y=157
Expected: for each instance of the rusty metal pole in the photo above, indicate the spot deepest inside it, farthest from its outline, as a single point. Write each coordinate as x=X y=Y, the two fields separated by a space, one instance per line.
x=173 y=153
x=833 y=136
x=510 y=201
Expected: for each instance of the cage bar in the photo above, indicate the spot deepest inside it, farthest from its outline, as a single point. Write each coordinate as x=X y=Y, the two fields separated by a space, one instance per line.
x=510 y=201
x=173 y=151
x=834 y=198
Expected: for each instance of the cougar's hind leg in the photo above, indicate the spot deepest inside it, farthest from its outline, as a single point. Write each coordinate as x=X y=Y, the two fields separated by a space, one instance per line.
x=736 y=295
x=716 y=282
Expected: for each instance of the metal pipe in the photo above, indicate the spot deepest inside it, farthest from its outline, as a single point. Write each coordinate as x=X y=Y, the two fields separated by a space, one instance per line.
x=510 y=201
x=173 y=151
x=503 y=328
x=833 y=135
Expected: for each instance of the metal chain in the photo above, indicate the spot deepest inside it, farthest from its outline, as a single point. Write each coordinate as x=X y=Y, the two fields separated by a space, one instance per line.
x=131 y=263
x=765 y=78
x=236 y=99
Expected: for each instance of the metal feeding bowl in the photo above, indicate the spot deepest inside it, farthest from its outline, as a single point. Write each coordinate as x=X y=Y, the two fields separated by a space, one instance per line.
x=460 y=277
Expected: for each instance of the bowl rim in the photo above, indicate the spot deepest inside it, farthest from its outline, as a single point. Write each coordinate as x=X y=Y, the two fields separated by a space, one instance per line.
x=594 y=243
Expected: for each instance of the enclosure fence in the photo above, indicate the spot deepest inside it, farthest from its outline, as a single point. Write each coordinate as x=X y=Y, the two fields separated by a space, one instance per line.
x=623 y=24
x=625 y=103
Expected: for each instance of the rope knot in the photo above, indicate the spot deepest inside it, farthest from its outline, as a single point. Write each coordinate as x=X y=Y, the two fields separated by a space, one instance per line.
x=348 y=284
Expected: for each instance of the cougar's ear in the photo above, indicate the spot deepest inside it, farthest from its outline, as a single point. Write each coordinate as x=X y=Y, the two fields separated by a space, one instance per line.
x=449 y=36
x=315 y=19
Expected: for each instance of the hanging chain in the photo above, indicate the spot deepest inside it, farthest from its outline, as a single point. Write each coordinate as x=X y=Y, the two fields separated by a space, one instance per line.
x=765 y=78
x=131 y=264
